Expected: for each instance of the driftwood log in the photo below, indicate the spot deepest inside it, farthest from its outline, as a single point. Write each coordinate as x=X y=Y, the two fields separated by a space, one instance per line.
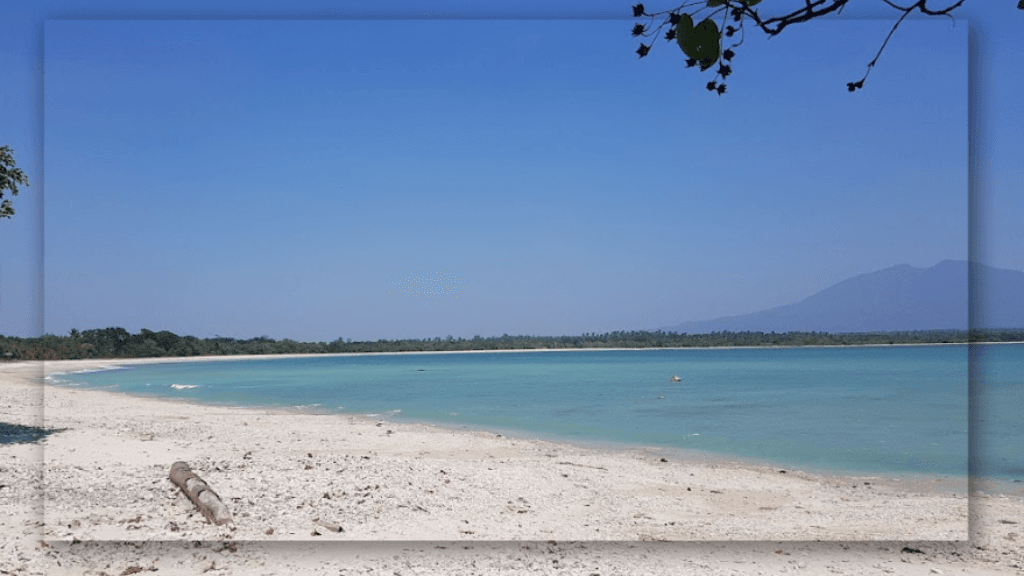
x=208 y=502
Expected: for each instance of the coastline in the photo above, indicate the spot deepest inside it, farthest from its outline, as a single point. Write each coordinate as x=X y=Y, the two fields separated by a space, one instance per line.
x=906 y=481
x=101 y=475
x=505 y=487
x=213 y=358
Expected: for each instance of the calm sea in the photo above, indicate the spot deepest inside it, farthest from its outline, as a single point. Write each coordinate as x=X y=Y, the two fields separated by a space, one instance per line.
x=852 y=409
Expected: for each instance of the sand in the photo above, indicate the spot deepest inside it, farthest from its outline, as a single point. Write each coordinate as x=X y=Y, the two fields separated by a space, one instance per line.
x=92 y=495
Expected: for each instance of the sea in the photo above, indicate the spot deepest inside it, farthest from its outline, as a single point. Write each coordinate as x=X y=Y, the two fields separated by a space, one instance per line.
x=890 y=410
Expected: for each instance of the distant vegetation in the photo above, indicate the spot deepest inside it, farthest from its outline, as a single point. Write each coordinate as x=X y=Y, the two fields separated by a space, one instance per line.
x=119 y=343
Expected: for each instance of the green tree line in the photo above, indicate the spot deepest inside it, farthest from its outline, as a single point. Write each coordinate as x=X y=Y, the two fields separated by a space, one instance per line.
x=119 y=343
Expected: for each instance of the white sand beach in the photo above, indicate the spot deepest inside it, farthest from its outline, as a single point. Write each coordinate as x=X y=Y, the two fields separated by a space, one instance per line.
x=319 y=494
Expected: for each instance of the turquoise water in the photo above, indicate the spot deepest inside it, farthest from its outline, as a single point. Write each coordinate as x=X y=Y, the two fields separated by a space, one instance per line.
x=850 y=409
x=997 y=412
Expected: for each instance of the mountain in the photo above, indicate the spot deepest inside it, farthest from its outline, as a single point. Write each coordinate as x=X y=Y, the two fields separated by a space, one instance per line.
x=901 y=297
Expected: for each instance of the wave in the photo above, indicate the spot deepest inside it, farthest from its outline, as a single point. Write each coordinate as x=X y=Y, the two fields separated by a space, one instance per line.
x=184 y=386
x=87 y=370
x=385 y=414
x=60 y=378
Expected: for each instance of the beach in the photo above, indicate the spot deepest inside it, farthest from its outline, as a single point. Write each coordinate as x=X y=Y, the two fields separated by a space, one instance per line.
x=432 y=496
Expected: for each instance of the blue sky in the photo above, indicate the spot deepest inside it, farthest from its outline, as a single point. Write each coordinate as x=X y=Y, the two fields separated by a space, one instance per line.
x=418 y=178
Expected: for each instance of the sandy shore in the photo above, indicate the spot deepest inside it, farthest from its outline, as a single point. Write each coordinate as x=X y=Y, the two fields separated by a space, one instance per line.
x=285 y=475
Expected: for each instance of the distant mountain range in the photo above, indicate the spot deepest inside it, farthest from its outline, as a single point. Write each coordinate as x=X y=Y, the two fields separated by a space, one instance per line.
x=898 y=298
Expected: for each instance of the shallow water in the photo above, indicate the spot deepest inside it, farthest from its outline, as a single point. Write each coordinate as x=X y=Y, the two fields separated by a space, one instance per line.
x=901 y=409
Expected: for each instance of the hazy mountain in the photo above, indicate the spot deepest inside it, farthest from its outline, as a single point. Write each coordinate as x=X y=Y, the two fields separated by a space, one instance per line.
x=898 y=298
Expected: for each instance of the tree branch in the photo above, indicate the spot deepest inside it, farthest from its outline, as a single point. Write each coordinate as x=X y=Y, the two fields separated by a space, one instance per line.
x=801 y=15
x=741 y=10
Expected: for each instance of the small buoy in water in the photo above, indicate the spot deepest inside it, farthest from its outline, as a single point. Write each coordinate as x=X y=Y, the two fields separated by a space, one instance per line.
x=676 y=379
x=661 y=397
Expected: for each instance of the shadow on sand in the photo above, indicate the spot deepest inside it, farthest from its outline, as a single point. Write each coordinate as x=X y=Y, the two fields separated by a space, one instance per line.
x=18 y=434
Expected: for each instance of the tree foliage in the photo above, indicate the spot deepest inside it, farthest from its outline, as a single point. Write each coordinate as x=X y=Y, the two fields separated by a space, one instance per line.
x=119 y=343
x=10 y=177
x=704 y=29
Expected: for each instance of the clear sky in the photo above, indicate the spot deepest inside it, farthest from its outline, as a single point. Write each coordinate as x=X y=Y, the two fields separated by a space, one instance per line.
x=374 y=179
x=416 y=178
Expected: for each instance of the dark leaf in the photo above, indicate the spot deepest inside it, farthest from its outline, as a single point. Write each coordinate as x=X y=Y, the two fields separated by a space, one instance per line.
x=701 y=42
x=643 y=49
x=706 y=63
x=639 y=29
x=724 y=70
x=691 y=62
x=728 y=54
x=711 y=85
x=1020 y=5
x=671 y=34
x=730 y=30
x=674 y=18
x=721 y=89
x=715 y=3
x=638 y=10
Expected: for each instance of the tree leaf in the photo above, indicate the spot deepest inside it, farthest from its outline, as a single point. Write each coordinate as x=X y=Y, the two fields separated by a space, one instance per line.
x=638 y=10
x=700 y=42
x=715 y=3
x=643 y=49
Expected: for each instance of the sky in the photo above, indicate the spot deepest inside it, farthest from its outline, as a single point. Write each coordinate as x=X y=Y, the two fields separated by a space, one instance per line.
x=389 y=178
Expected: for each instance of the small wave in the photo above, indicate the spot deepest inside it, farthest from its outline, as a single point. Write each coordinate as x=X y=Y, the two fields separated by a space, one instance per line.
x=184 y=386
x=394 y=412
x=62 y=382
x=91 y=370
x=59 y=378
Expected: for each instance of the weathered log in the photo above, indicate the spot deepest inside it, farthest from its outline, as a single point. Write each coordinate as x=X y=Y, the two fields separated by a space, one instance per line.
x=208 y=502
x=328 y=525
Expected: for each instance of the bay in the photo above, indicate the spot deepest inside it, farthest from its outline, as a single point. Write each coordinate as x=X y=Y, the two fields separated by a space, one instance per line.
x=886 y=409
